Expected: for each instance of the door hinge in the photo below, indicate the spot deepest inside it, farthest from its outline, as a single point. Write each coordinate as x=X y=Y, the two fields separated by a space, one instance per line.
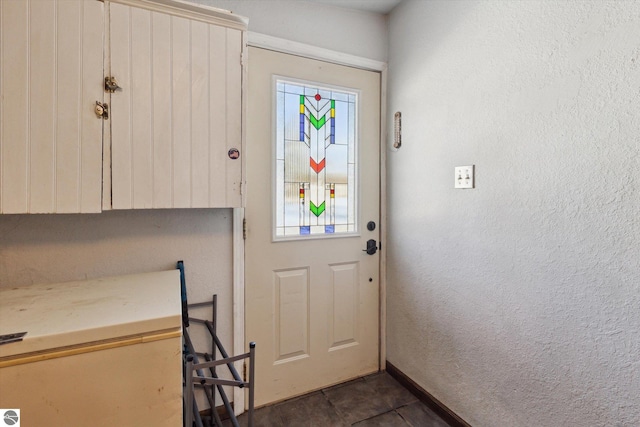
x=244 y=371
x=242 y=58
x=244 y=230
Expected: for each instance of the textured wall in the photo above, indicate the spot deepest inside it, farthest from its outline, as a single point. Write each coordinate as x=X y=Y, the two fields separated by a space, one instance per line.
x=354 y=32
x=518 y=303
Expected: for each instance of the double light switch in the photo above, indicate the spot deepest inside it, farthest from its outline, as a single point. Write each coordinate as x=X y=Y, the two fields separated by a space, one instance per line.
x=464 y=177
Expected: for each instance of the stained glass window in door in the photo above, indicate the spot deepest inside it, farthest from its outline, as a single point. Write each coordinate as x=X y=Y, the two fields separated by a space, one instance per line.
x=316 y=136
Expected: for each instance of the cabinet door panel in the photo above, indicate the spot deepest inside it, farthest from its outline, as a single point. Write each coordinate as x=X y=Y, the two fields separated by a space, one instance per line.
x=91 y=141
x=200 y=125
x=14 y=107
x=162 y=139
x=69 y=126
x=179 y=112
x=141 y=107
x=42 y=93
x=50 y=72
x=121 y=155
x=233 y=115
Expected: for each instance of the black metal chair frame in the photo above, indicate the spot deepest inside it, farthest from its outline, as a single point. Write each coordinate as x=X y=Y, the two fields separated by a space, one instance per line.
x=195 y=372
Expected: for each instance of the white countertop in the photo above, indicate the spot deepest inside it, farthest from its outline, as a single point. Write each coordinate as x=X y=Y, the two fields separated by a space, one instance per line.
x=74 y=313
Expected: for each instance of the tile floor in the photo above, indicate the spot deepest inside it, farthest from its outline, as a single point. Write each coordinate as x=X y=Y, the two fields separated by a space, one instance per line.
x=376 y=400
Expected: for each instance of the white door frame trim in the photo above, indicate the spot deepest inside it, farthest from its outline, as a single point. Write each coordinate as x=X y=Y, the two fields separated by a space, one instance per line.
x=238 y=301
x=313 y=52
x=309 y=51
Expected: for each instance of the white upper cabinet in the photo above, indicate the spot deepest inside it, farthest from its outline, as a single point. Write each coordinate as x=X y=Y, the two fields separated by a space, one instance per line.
x=51 y=65
x=172 y=123
x=179 y=110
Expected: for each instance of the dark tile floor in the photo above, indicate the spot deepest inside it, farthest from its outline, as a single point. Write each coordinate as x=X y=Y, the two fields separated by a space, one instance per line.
x=377 y=400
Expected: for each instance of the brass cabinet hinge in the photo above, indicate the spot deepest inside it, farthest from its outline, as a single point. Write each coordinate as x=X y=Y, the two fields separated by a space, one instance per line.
x=244 y=232
x=111 y=84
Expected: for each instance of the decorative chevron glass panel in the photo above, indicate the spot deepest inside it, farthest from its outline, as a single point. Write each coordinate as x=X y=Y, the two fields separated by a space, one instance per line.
x=316 y=152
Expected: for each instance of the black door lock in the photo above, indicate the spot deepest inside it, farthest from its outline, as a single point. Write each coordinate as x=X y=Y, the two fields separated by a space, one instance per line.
x=372 y=248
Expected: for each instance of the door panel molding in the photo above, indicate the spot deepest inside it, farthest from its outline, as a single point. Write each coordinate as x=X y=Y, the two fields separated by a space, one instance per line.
x=344 y=307
x=291 y=290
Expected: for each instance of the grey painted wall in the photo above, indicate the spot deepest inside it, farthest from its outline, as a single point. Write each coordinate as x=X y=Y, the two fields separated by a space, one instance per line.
x=517 y=303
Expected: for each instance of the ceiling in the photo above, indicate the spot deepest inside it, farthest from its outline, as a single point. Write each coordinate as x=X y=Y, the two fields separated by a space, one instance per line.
x=376 y=6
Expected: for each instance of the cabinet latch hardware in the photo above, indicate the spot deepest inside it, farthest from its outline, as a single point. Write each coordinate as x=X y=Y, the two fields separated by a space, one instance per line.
x=102 y=110
x=111 y=85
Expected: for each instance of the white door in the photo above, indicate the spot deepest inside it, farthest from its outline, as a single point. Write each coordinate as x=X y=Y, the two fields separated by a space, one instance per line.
x=313 y=177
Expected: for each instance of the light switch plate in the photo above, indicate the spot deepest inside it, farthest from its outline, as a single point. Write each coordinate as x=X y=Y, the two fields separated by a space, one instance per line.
x=465 y=176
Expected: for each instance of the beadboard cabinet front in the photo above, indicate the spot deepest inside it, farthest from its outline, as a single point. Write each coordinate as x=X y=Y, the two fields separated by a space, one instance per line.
x=178 y=112
x=51 y=66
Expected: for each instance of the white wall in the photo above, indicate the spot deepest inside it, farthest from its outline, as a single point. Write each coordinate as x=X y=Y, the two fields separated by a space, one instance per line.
x=518 y=303
x=353 y=32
